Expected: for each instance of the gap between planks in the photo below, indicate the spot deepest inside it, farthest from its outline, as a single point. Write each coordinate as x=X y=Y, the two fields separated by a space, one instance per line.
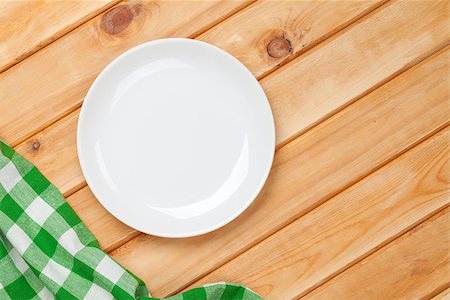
x=283 y=144
x=380 y=79
x=333 y=34
x=407 y=67
x=80 y=186
x=223 y=18
x=358 y=97
x=329 y=36
x=442 y=295
x=388 y=242
x=418 y=156
x=391 y=159
x=408 y=145
x=76 y=107
x=62 y=33
x=392 y=242
x=114 y=4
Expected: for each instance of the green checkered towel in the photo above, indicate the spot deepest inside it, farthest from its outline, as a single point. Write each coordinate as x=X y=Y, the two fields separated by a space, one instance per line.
x=46 y=252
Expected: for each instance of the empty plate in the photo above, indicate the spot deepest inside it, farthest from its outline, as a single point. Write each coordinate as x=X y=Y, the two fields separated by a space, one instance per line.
x=176 y=138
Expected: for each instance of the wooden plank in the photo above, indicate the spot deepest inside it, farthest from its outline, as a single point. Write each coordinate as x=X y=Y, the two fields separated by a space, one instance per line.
x=62 y=157
x=64 y=170
x=444 y=295
x=67 y=85
x=54 y=152
x=281 y=104
x=27 y=26
x=306 y=172
x=333 y=75
x=64 y=98
x=411 y=267
x=54 y=149
x=270 y=33
x=53 y=82
x=361 y=219
x=109 y=231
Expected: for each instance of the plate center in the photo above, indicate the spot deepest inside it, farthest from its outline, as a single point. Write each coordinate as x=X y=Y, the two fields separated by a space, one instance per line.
x=185 y=137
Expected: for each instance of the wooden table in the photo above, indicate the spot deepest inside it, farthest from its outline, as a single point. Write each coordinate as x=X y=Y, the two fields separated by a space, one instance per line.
x=356 y=205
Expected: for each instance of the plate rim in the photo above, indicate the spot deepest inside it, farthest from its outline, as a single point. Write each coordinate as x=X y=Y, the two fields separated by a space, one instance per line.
x=83 y=163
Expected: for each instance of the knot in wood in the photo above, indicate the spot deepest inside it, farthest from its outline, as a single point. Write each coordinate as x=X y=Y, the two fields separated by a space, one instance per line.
x=35 y=145
x=279 y=47
x=119 y=18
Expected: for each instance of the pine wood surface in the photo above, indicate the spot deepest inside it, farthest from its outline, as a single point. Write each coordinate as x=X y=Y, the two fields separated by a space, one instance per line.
x=356 y=203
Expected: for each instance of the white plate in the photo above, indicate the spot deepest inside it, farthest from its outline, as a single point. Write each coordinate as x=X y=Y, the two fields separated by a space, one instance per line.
x=176 y=138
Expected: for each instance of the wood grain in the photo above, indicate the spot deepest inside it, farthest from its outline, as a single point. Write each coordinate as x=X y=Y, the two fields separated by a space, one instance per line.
x=67 y=85
x=60 y=137
x=329 y=239
x=63 y=170
x=290 y=109
x=109 y=231
x=352 y=48
x=270 y=33
x=444 y=295
x=71 y=85
x=333 y=75
x=413 y=266
x=28 y=26
x=306 y=172
x=54 y=152
x=53 y=82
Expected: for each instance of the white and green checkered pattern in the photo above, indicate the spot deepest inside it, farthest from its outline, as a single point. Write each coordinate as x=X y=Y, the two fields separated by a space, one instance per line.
x=46 y=252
